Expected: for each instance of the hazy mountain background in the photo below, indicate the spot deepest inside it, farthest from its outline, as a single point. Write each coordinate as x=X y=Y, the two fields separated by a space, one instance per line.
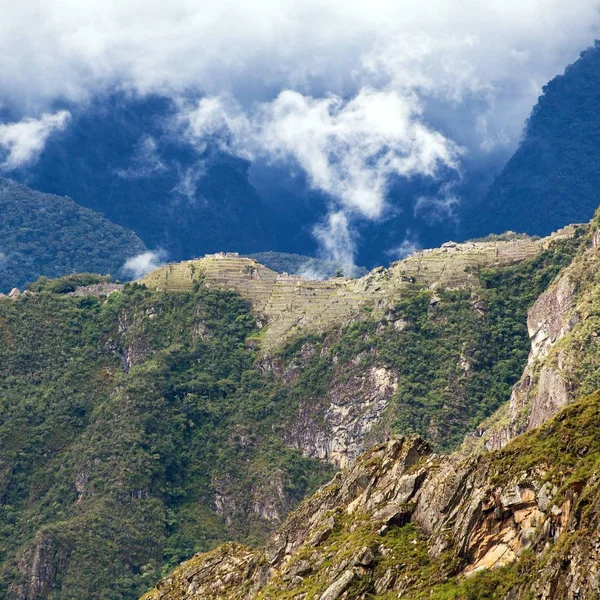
x=553 y=177
x=353 y=137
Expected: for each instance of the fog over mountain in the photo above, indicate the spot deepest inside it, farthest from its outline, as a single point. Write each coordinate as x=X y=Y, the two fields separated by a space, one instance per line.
x=385 y=118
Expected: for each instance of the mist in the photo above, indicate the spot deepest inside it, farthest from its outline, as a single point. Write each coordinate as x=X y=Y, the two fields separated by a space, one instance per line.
x=354 y=95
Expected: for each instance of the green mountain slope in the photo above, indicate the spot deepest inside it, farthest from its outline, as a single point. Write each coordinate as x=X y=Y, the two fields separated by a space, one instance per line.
x=519 y=523
x=143 y=426
x=41 y=234
x=553 y=178
x=133 y=431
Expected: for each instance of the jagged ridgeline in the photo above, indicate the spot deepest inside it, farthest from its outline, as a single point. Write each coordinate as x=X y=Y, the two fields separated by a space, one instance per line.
x=518 y=523
x=144 y=423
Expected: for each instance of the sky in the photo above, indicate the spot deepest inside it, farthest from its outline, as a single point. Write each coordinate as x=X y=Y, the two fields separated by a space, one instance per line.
x=354 y=94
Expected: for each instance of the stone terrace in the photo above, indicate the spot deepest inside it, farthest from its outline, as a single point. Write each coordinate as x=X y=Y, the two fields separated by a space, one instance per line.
x=293 y=306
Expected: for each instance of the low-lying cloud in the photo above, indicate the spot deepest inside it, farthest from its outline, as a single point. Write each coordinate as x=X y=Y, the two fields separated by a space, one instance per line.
x=354 y=94
x=138 y=266
x=145 y=162
x=22 y=142
x=350 y=149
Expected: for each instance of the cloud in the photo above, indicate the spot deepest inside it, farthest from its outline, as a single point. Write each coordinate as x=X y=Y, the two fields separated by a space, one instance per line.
x=336 y=239
x=145 y=162
x=143 y=263
x=350 y=149
x=22 y=142
x=408 y=246
x=435 y=209
x=68 y=49
x=354 y=94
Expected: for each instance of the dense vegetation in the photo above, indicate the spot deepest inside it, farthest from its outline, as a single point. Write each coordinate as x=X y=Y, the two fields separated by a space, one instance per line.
x=553 y=178
x=47 y=235
x=457 y=353
x=122 y=422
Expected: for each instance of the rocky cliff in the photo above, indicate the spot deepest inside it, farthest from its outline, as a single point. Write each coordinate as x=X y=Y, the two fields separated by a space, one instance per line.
x=144 y=423
x=402 y=522
x=563 y=362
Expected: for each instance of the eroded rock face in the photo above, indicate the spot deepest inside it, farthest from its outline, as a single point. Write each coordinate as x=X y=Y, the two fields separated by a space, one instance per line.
x=552 y=395
x=39 y=565
x=466 y=519
x=337 y=430
x=551 y=317
x=543 y=388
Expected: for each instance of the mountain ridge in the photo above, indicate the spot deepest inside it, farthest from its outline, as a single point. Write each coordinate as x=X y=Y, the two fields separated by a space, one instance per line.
x=143 y=425
x=42 y=234
x=292 y=306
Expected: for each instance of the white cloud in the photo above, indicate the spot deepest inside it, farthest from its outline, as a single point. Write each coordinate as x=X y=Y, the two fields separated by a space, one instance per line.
x=336 y=239
x=349 y=149
x=143 y=263
x=145 y=162
x=407 y=247
x=22 y=142
x=441 y=207
x=69 y=49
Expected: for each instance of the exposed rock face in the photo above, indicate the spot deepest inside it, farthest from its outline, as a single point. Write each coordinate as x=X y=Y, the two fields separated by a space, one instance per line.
x=552 y=395
x=550 y=318
x=344 y=541
x=266 y=499
x=98 y=289
x=337 y=430
x=561 y=325
x=40 y=565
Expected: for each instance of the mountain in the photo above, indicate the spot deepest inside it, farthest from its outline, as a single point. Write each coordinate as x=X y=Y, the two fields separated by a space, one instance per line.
x=553 y=178
x=521 y=521
x=127 y=158
x=42 y=234
x=122 y=157
x=146 y=422
x=402 y=522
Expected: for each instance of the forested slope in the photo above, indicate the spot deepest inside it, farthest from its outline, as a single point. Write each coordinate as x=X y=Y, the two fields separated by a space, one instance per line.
x=553 y=177
x=142 y=426
x=41 y=234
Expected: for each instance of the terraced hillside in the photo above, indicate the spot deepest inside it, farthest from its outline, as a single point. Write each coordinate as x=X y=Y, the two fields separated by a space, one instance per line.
x=290 y=306
x=140 y=426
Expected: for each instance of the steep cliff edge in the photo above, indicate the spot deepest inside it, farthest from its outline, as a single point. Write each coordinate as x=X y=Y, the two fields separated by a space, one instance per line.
x=564 y=361
x=145 y=425
x=401 y=522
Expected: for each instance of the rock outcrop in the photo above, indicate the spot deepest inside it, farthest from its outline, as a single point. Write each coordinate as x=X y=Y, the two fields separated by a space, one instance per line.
x=563 y=362
x=337 y=429
x=402 y=520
